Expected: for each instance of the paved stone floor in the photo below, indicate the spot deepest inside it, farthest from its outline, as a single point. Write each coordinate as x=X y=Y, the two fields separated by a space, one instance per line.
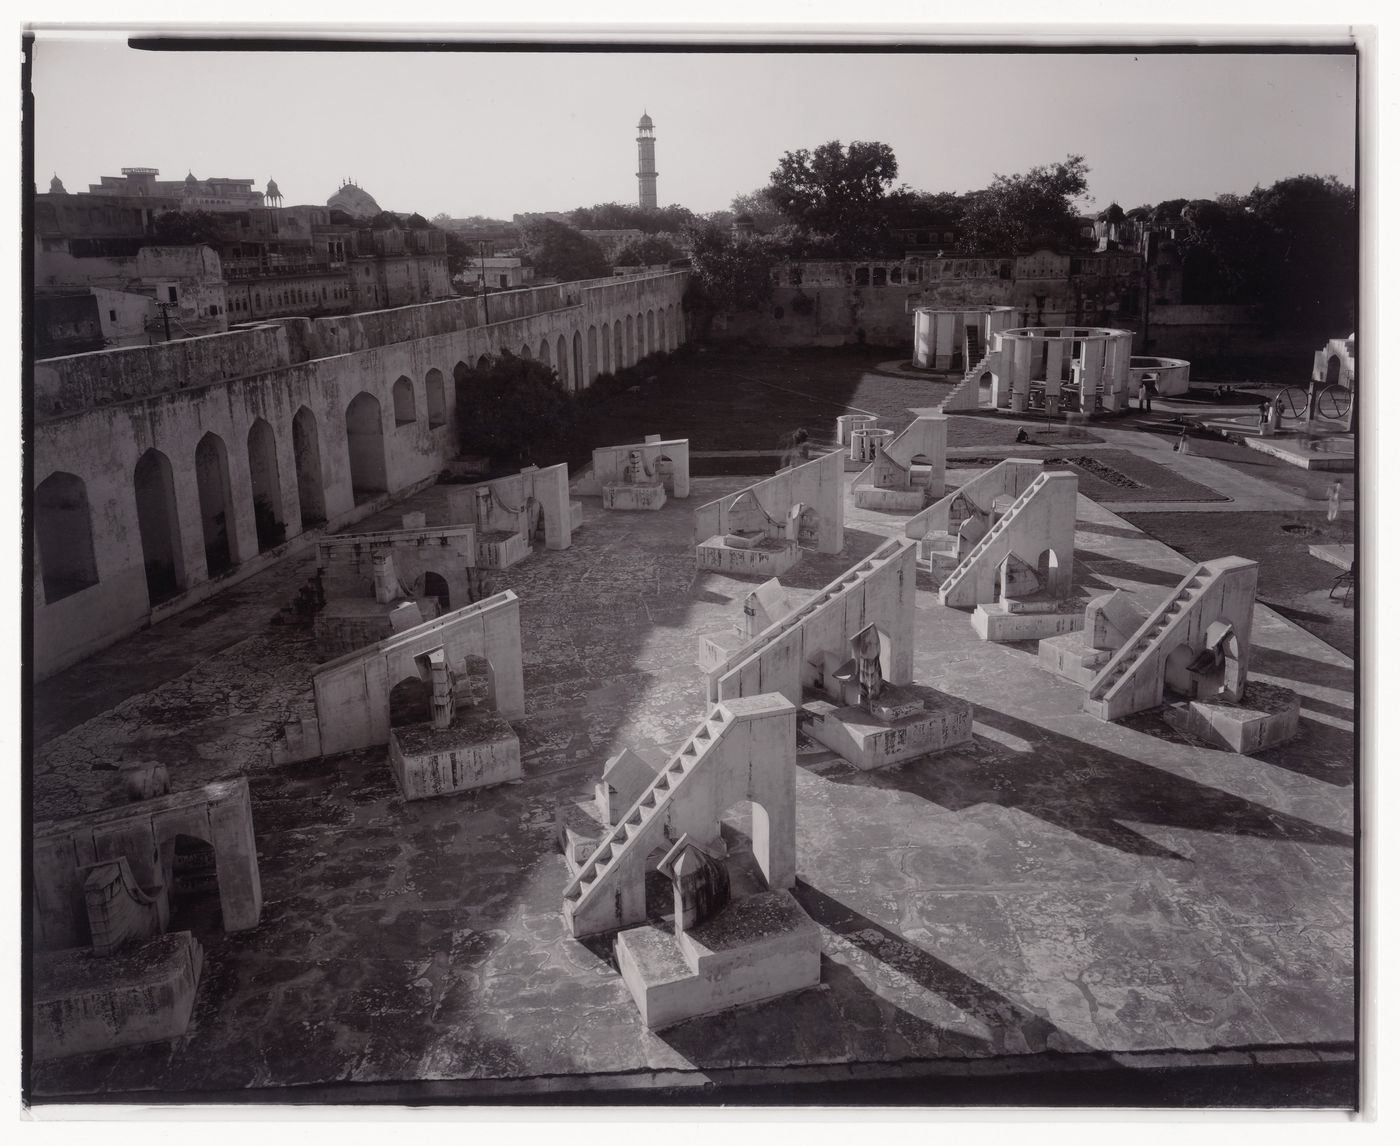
x=1061 y=888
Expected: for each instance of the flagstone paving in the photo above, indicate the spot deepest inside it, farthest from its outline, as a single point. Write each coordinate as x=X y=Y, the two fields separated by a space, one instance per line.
x=1059 y=888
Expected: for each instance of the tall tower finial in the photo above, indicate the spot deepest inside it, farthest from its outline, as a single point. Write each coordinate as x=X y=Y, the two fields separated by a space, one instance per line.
x=646 y=162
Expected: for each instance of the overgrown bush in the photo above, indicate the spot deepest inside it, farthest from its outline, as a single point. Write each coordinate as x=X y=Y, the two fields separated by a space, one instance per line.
x=513 y=410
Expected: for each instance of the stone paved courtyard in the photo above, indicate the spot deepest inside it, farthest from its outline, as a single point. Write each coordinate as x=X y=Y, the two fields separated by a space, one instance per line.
x=1062 y=891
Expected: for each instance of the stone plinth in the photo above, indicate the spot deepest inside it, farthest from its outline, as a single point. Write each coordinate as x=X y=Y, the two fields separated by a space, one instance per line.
x=500 y=550
x=1000 y=622
x=868 y=742
x=625 y=495
x=350 y=623
x=479 y=749
x=766 y=558
x=716 y=648
x=1266 y=718
x=84 y=1002
x=580 y=827
x=759 y=947
x=890 y=500
x=1072 y=657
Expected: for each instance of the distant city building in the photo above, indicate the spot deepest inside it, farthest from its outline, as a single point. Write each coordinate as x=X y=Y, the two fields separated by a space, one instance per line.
x=354 y=200
x=252 y=262
x=497 y=273
x=213 y=194
x=646 y=162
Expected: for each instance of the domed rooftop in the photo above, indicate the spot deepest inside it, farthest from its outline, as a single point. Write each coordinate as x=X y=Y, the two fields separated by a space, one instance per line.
x=645 y=121
x=354 y=201
x=190 y=180
x=56 y=186
x=273 y=191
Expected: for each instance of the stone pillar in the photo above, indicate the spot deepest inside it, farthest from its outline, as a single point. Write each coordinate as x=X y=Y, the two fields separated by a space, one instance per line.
x=1095 y=350
x=386 y=578
x=923 y=340
x=190 y=517
x=943 y=342
x=1054 y=365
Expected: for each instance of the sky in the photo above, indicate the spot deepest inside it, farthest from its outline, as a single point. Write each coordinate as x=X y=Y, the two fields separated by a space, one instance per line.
x=476 y=133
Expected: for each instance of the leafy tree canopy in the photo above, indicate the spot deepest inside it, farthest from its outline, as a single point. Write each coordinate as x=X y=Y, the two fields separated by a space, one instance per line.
x=649 y=252
x=731 y=272
x=628 y=217
x=556 y=250
x=836 y=190
x=759 y=206
x=512 y=409
x=1019 y=213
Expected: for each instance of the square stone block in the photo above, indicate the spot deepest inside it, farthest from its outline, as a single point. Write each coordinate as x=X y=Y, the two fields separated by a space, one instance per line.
x=1266 y=718
x=1072 y=657
x=765 y=559
x=999 y=622
x=867 y=742
x=890 y=500
x=716 y=648
x=478 y=750
x=144 y=993
x=759 y=947
x=580 y=826
x=624 y=495
x=501 y=550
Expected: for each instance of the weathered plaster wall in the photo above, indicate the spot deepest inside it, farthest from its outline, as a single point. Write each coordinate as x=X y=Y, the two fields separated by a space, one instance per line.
x=99 y=413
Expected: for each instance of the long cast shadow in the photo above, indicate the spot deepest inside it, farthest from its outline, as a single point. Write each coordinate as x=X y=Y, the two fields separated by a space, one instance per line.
x=1014 y=1029
x=1088 y=790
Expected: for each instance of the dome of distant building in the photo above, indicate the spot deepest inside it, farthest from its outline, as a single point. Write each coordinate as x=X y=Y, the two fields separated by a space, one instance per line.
x=190 y=180
x=272 y=189
x=56 y=186
x=645 y=121
x=355 y=201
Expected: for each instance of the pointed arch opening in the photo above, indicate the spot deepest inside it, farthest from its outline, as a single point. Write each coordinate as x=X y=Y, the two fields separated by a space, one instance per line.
x=437 y=398
x=544 y=352
x=268 y=516
x=651 y=332
x=561 y=362
x=592 y=372
x=410 y=702
x=631 y=345
x=364 y=436
x=619 y=357
x=306 y=452
x=158 y=520
x=576 y=375
x=216 y=512
x=405 y=412
x=63 y=534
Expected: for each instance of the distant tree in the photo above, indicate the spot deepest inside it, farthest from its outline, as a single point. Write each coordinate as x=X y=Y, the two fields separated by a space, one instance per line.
x=515 y=409
x=630 y=217
x=759 y=206
x=836 y=190
x=731 y=272
x=558 y=251
x=1018 y=213
x=187 y=228
x=458 y=252
x=442 y=219
x=649 y=252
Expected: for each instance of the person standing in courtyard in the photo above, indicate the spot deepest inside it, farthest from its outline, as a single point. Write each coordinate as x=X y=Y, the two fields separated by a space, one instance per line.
x=1144 y=397
x=1334 y=502
x=1183 y=443
x=795 y=449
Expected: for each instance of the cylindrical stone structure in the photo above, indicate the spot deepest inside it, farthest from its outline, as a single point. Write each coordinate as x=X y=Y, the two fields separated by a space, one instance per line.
x=940 y=334
x=846 y=423
x=866 y=442
x=1173 y=375
x=1068 y=368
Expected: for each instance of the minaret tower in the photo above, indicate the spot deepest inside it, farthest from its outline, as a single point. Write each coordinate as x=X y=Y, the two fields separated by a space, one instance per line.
x=646 y=162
